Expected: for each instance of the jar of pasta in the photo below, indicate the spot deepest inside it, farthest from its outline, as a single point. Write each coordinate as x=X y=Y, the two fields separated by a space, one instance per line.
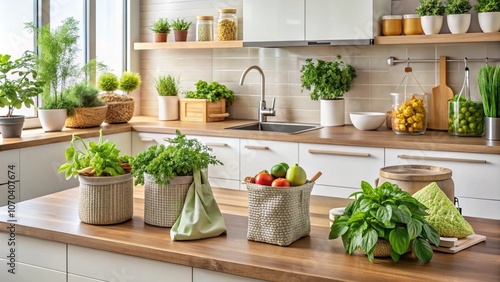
x=227 y=25
x=409 y=113
x=204 y=28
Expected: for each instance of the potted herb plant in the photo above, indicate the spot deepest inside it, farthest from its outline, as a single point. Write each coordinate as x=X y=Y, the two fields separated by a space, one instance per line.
x=167 y=87
x=180 y=27
x=458 y=16
x=329 y=81
x=161 y=28
x=106 y=183
x=56 y=65
x=120 y=106
x=488 y=80
x=19 y=85
x=166 y=173
x=90 y=111
x=431 y=15
x=488 y=15
x=385 y=221
x=214 y=99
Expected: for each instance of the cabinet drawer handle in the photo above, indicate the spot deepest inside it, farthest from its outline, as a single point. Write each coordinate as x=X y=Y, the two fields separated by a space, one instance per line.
x=144 y=139
x=253 y=147
x=408 y=157
x=339 y=153
x=216 y=144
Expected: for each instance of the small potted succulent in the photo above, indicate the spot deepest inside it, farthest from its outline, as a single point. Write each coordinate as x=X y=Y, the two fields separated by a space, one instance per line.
x=329 y=81
x=431 y=15
x=120 y=106
x=167 y=87
x=161 y=28
x=214 y=99
x=488 y=14
x=385 y=221
x=180 y=27
x=19 y=85
x=458 y=16
x=166 y=173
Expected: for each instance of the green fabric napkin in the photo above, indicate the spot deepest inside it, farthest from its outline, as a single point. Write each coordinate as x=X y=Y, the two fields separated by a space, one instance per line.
x=200 y=217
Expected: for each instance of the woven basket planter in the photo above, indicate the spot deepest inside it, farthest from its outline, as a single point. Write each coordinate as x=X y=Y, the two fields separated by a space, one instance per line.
x=86 y=117
x=119 y=112
x=164 y=203
x=278 y=216
x=106 y=200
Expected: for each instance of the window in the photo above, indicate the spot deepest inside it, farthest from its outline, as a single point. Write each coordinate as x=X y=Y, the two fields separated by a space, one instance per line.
x=110 y=37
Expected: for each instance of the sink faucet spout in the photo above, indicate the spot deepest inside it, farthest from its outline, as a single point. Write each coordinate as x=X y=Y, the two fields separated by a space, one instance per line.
x=264 y=112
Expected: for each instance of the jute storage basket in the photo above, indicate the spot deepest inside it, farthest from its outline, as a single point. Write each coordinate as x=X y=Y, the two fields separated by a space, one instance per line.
x=278 y=216
x=119 y=112
x=87 y=117
x=164 y=203
x=106 y=200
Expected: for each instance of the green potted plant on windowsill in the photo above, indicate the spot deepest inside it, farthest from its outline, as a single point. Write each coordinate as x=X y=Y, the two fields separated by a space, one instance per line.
x=167 y=87
x=214 y=99
x=488 y=15
x=431 y=15
x=166 y=173
x=19 y=85
x=329 y=81
x=385 y=221
x=161 y=28
x=180 y=27
x=458 y=16
x=90 y=111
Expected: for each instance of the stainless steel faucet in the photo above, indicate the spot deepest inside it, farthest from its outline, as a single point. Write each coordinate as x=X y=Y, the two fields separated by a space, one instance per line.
x=263 y=111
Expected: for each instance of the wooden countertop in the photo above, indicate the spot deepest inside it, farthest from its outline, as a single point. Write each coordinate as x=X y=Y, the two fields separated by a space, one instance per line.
x=313 y=258
x=341 y=135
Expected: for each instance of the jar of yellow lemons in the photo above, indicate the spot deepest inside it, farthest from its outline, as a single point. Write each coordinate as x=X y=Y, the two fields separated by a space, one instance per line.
x=409 y=113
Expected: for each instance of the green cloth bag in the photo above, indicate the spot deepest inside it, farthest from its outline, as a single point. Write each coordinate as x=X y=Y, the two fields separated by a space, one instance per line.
x=200 y=217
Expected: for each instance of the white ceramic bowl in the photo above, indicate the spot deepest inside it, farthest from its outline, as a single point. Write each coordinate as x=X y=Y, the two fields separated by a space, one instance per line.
x=367 y=120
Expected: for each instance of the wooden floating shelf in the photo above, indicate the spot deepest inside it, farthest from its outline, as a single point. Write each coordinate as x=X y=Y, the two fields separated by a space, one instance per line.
x=188 y=45
x=438 y=38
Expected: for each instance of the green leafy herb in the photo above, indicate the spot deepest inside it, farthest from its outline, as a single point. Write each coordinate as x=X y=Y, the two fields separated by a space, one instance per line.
x=488 y=81
x=483 y=6
x=212 y=91
x=430 y=8
x=330 y=80
x=181 y=157
x=94 y=159
x=385 y=212
x=167 y=85
x=454 y=7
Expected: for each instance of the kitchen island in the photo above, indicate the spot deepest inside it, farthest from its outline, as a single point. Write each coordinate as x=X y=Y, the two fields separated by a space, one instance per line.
x=314 y=258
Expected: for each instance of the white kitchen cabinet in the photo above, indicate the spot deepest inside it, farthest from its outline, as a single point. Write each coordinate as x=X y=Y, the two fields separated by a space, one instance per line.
x=258 y=155
x=476 y=176
x=141 y=141
x=343 y=167
x=102 y=265
x=78 y=278
x=39 y=174
x=9 y=167
x=28 y=273
x=203 y=275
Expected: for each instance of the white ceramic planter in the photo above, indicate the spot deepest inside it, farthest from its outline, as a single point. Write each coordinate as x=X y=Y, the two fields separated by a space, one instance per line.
x=489 y=21
x=168 y=108
x=458 y=23
x=431 y=24
x=332 y=112
x=52 y=120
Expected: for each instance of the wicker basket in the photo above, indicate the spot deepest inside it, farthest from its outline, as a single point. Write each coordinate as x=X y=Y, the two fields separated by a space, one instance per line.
x=106 y=200
x=119 y=112
x=86 y=117
x=164 y=203
x=278 y=216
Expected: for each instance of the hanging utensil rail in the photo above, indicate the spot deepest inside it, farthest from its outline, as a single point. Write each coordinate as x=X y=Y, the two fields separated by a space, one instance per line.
x=393 y=60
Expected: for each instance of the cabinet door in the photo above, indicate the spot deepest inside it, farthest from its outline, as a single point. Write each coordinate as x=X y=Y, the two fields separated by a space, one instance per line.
x=476 y=176
x=108 y=266
x=9 y=168
x=141 y=141
x=276 y=20
x=203 y=275
x=258 y=155
x=25 y=272
x=78 y=278
x=227 y=150
x=343 y=167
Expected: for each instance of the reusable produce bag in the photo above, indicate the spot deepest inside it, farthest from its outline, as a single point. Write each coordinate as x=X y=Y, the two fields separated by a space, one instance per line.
x=200 y=217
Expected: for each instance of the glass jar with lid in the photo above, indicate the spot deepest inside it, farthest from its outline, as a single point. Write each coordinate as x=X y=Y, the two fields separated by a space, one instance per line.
x=392 y=25
x=227 y=25
x=204 y=28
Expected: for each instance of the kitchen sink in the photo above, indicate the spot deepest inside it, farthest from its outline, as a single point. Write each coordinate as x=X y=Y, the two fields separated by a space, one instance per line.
x=277 y=127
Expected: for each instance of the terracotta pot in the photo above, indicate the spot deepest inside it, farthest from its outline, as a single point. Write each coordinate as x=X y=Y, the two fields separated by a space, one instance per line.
x=180 y=35
x=161 y=37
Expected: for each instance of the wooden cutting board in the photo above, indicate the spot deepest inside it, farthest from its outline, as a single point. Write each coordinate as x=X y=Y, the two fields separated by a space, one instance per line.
x=454 y=245
x=438 y=111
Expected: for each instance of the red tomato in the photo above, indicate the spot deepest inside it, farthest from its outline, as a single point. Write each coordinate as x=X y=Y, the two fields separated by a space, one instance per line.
x=264 y=178
x=281 y=182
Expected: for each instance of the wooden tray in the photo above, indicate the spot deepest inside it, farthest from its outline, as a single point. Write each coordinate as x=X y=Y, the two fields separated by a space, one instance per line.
x=455 y=245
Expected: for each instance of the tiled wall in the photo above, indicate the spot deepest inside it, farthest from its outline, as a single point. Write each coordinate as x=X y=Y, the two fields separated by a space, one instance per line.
x=370 y=92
